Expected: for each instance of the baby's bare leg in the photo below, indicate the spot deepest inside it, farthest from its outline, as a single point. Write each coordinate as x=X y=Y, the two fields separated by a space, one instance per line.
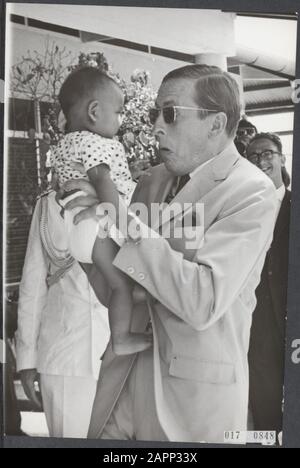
x=120 y=302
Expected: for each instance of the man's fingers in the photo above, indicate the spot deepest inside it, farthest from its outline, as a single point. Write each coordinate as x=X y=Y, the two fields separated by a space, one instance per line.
x=31 y=394
x=79 y=184
x=85 y=214
x=82 y=201
x=36 y=400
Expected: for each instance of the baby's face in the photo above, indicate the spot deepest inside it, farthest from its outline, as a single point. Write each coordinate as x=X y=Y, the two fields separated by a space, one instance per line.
x=109 y=118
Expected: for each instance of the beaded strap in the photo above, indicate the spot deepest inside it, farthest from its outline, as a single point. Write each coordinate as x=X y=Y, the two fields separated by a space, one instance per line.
x=62 y=259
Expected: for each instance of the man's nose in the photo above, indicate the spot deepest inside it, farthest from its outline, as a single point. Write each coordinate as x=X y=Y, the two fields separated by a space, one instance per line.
x=158 y=132
x=159 y=127
x=261 y=162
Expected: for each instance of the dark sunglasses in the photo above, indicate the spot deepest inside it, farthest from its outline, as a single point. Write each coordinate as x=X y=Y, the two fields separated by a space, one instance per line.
x=246 y=131
x=170 y=113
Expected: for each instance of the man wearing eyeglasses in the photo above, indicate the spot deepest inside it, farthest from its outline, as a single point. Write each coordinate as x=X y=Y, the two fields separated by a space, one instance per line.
x=198 y=302
x=267 y=340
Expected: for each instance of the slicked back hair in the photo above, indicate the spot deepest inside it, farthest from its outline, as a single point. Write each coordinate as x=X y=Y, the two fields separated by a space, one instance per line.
x=215 y=89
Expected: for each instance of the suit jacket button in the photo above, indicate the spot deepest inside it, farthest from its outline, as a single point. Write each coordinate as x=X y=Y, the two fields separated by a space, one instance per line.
x=130 y=270
x=141 y=276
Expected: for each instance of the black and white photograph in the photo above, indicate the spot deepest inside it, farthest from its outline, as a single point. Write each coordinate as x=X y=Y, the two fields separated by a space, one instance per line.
x=163 y=139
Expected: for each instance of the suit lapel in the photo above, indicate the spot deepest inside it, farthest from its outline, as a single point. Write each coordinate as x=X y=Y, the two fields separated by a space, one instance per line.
x=166 y=182
x=208 y=177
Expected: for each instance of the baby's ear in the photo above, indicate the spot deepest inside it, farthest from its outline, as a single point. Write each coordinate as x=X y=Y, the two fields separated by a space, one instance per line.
x=93 y=110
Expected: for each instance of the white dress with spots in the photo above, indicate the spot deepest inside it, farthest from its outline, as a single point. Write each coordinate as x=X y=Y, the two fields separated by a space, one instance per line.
x=90 y=150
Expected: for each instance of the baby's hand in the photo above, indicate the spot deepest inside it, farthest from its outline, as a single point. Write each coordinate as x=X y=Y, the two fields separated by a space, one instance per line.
x=77 y=166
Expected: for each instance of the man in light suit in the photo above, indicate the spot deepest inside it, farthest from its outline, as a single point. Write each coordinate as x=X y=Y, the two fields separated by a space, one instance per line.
x=193 y=385
x=62 y=329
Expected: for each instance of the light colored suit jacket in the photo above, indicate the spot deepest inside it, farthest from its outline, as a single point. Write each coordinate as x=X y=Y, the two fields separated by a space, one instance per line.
x=200 y=301
x=62 y=329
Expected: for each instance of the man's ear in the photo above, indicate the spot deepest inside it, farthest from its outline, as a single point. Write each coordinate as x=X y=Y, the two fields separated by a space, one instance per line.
x=218 y=125
x=283 y=160
x=93 y=110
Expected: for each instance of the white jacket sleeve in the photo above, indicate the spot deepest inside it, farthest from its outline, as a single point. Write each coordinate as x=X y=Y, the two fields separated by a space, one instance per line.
x=201 y=291
x=32 y=296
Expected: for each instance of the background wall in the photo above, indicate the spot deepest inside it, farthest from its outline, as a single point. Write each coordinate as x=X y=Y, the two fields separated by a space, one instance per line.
x=123 y=61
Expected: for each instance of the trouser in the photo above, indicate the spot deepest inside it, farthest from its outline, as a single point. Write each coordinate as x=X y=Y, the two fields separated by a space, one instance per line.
x=67 y=403
x=134 y=416
x=266 y=399
x=12 y=416
x=266 y=376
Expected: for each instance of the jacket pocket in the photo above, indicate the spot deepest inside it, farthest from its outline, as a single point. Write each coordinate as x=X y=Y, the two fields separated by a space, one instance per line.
x=190 y=368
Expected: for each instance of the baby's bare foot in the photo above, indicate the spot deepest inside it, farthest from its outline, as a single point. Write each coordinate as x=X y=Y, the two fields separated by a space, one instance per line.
x=131 y=343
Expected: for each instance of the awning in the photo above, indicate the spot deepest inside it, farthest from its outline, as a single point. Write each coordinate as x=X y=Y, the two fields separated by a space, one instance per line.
x=189 y=31
x=267 y=44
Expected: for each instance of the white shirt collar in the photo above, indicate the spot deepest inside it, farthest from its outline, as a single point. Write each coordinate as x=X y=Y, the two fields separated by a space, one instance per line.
x=280 y=193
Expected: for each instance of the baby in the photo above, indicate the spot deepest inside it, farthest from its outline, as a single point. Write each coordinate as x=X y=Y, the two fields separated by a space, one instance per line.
x=92 y=103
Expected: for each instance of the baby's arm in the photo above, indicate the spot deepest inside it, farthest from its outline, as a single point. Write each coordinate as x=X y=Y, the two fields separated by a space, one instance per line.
x=106 y=189
x=107 y=193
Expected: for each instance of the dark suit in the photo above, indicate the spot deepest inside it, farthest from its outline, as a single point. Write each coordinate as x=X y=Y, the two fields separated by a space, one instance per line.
x=267 y=339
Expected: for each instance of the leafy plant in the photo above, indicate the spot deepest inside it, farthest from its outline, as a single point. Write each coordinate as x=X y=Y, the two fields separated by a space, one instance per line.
x=39 y=76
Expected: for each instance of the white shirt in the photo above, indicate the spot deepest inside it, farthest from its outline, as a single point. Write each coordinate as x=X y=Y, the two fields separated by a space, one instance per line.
x=280 y=192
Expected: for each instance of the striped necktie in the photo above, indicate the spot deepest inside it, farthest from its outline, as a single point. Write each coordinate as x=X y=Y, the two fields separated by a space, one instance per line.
x=177 y=186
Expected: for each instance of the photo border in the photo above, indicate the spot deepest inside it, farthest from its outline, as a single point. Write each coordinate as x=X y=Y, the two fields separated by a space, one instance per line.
x=291 y=421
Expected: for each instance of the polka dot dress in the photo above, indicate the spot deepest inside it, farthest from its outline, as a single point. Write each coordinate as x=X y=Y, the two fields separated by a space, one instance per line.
x=90 y=150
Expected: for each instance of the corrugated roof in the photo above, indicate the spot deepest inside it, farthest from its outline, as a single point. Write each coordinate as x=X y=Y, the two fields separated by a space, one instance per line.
x=257 y=84
x=268 y=98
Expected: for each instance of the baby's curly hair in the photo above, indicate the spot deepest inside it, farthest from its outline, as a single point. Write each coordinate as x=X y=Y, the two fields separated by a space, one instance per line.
x=82 y=83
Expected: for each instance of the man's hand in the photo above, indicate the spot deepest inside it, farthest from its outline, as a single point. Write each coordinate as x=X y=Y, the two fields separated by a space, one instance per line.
x=88 y=201
x=139 y=294
x=28 y=378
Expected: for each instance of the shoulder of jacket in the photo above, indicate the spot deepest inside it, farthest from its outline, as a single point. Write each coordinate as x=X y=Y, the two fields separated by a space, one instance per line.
x=251 y=175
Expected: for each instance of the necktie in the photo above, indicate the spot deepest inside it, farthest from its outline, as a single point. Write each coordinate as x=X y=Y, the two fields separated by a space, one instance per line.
x=176 y=187
x=181 y=183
